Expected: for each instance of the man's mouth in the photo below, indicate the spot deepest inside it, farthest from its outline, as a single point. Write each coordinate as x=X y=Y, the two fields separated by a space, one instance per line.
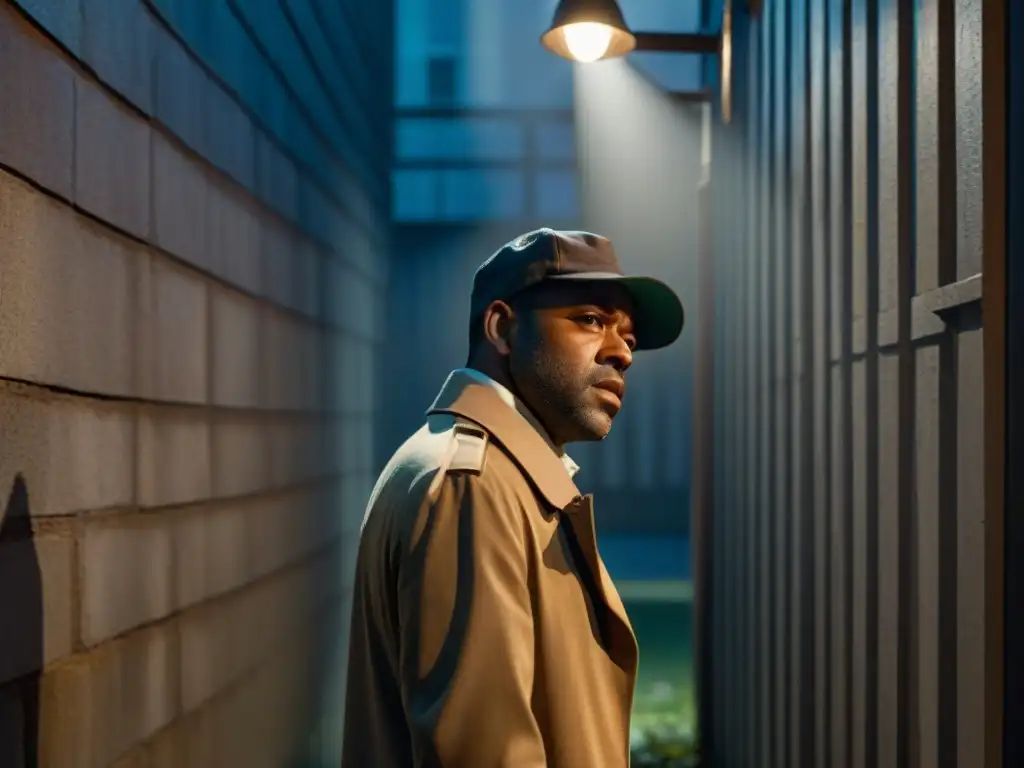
x=613 y=388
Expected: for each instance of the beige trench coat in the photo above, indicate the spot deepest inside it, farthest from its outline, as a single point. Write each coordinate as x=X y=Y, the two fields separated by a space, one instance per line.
x=485 y=630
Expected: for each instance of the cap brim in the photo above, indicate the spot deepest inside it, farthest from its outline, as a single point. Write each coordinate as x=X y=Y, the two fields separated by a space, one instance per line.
x=657 y=311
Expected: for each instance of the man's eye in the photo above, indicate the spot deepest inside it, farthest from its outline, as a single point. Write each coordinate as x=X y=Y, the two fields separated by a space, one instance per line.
x=590 y=320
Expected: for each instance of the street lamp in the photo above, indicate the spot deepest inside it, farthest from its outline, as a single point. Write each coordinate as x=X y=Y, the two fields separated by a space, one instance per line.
x=590 y=30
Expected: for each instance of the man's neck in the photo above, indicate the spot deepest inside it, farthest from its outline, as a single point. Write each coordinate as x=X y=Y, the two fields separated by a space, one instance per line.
x=495 y=373
x=515 y=402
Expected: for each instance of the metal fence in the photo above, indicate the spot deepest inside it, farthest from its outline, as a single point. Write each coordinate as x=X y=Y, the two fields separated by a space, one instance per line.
x=851 y=611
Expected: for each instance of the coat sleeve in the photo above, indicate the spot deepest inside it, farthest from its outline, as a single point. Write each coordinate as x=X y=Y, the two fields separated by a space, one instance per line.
x=466 y=629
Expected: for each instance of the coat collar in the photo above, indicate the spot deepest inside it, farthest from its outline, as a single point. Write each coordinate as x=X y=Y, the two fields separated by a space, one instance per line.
x=516 y=404
x=464 y=396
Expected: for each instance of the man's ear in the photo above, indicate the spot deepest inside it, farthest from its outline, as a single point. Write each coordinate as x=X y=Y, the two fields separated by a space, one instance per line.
x=499 y=324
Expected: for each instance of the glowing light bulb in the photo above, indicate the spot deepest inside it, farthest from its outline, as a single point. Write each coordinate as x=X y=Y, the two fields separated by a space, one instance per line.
x=587 y=41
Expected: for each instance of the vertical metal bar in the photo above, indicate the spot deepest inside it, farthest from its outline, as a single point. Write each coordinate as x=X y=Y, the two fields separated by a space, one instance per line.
x=895 y=376
x=994 y=311
x=975 y=522
x=751 y=442
x=841 y=500
x=766 y=411
x=820 y=370
x=782 y=375
x=1013 y=701
x=703 y=446
x=906 y=234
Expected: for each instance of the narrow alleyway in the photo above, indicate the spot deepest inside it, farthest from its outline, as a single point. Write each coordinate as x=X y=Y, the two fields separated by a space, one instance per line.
x=236 y=244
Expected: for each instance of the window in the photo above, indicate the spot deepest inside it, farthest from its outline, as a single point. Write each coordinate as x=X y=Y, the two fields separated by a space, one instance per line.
x=441 y=75
x=446 y=21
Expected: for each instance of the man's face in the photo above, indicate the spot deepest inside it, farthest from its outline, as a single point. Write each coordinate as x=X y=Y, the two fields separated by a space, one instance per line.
x=570 y=346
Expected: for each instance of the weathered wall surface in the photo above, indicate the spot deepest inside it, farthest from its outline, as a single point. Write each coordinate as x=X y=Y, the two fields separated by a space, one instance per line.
x=854 y=612
x=193 y=261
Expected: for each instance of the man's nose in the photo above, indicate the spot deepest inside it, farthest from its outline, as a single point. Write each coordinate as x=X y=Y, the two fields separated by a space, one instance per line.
x=616 y=352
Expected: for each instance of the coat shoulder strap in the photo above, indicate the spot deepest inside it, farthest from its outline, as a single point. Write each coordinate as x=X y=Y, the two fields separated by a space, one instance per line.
x=466 y=452
x=469 y=448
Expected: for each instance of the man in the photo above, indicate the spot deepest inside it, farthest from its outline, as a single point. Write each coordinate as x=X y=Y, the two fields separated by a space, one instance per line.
x=485 y=630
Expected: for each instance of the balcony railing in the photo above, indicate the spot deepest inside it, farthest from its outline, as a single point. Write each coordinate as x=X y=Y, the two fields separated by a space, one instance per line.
x=484 y=164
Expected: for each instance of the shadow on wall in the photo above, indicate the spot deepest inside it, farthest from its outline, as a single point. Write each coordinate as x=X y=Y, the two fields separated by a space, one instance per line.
x=21 y=633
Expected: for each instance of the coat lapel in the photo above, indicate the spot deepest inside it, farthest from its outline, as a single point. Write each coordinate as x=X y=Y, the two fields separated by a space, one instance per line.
x=618 y=630
x=468 y=399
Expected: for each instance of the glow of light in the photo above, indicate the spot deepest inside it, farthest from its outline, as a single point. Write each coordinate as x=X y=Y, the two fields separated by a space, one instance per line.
x=587 y=41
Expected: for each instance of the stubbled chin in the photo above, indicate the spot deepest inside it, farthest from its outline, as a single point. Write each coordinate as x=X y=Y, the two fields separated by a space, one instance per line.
x=598 y=426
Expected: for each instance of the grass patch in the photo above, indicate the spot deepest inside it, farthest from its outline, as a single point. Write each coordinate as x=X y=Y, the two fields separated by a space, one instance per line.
x=663 y=733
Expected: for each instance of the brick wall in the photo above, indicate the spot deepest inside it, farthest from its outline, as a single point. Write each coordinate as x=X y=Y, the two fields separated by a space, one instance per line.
x=193 y=251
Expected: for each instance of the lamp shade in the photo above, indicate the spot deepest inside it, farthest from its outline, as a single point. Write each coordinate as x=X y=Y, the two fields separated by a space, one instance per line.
x=588 y=30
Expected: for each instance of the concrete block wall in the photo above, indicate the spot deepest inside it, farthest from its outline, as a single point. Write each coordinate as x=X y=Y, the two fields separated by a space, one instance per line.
x=193 y=259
